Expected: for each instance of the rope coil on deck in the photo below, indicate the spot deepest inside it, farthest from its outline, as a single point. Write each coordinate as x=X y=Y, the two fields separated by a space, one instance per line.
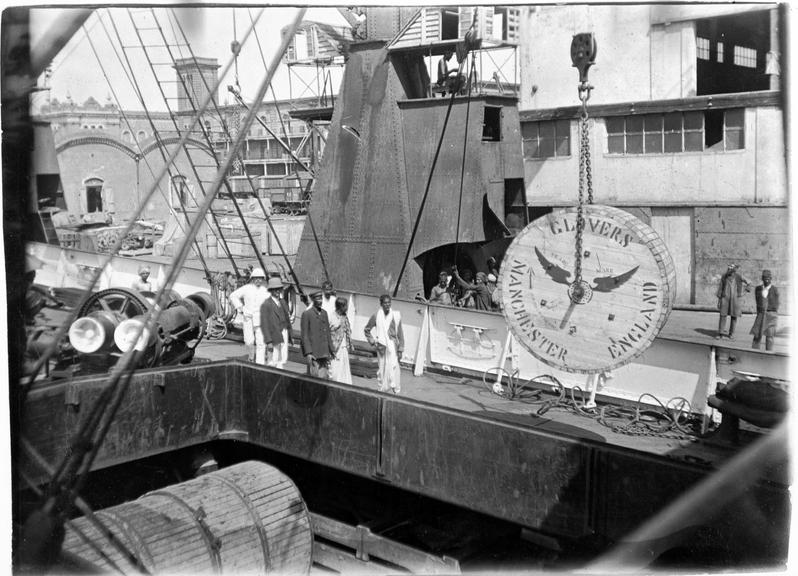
x=669 y=420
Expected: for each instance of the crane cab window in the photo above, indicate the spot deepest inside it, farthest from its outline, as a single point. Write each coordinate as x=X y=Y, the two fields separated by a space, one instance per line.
x=450 y=24
x=491 y=124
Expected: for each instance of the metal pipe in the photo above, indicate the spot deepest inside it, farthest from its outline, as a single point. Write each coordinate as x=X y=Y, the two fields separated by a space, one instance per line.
x=56 y=37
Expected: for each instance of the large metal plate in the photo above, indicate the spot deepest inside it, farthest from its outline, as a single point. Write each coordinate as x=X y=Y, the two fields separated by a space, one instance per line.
x=312 y=419
x=162 y=411
x=506 y=471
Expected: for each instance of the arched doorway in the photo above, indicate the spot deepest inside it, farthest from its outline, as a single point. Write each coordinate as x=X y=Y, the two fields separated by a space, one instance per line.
x=93 y=194
x=179 y=191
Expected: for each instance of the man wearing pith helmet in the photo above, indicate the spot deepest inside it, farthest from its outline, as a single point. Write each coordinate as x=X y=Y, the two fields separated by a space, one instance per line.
x=247 y=301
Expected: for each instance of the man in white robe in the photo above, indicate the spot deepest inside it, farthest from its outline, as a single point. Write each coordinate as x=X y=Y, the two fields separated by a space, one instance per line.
x=384 y=332
x=328 y=299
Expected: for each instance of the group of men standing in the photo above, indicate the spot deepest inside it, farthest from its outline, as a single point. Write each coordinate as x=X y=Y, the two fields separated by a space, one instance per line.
x=266 y=319
x=267 y=329
x=730 y=289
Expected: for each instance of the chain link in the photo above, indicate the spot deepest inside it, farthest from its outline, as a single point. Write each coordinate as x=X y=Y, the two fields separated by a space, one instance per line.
x=585 y=179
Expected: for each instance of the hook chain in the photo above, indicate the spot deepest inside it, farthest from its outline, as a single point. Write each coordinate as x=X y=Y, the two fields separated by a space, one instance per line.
x=585 y=179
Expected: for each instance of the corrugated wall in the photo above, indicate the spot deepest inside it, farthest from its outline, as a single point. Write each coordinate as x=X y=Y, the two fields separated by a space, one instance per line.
x=360 y=205
x=374 y=173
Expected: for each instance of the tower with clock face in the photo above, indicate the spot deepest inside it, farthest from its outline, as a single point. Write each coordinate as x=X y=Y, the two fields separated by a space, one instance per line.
x=625 y=295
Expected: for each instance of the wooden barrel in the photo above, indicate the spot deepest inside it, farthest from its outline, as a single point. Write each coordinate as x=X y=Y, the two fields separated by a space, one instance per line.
x=248 y=518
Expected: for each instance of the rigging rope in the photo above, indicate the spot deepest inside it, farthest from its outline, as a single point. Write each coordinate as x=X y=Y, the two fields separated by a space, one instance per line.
x=249 y=179
x=426 y=188
x=121 y=109
x=156 y=133
x=437 y=151
x=306 y=193
x=266 y=213
x=672 y=419
x=471 y=74
x=44 y=358
x=203 y=128
x=221 y=240
x=81 y=460
x=72 y=471
x=235 y=47
x=84 y=509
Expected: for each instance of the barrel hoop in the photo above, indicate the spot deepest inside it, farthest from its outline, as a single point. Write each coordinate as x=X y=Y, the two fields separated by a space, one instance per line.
x=132 y=537
x=207 y=535
x=264 y=539
x=79 y=531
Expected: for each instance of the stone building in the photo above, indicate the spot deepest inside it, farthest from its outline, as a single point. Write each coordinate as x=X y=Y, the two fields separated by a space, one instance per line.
x=108 y=157
x=687 y=129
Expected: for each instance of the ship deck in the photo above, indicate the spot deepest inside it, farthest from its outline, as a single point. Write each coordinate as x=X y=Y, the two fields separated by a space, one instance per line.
x=445 y=436
x=466 y=393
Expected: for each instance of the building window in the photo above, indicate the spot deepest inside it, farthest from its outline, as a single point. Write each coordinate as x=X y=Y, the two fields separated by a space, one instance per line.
x=720 y=52
x=675 y=132
x=275 y=169
x=141 y=135
x=546 y=139
x=745 y=57
x=702 y=48
x=254 y=169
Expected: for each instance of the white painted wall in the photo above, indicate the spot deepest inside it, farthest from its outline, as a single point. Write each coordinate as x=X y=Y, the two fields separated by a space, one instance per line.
x=636 y=60
x=756 y=174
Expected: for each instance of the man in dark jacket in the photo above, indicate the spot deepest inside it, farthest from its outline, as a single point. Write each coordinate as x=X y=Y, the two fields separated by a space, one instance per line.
x=316 y=341
x=275 y=323
x=767 y=308
x=730 y=288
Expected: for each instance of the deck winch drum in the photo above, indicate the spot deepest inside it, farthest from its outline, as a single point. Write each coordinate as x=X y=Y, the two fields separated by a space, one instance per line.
x=247 y=518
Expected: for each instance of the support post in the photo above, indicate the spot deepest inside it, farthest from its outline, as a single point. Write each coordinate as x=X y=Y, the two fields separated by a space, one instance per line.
x=497 y=385
x=712 y=376
x=592 y=386
x=423 y=340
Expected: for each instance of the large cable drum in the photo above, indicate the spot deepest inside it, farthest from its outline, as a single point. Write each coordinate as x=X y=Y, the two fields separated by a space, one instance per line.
x=248 y=518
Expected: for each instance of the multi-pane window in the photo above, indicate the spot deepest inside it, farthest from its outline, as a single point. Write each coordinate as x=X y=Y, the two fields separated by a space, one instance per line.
x=744 y=57
x=702 y=48
x=275 y=169
x=676 y=132
x=720 y=52
x=546 y=139
x=734 y=129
